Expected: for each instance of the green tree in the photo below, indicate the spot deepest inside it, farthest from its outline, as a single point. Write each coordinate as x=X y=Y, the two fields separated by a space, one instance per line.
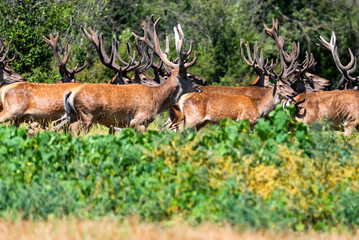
x=27 y=20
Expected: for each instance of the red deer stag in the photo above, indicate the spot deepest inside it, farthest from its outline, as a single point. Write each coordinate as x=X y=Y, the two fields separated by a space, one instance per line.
x=257 y=90
x=37 y=102
x=200 y=109
x=337 y=106
x=67 y=74
x=133 y=105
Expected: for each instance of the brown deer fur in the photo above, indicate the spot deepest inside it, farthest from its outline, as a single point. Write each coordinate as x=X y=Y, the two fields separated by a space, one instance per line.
x=203 y=108
x=7 y=76
x=338 y=106
x=176 y=118
x=249 y=91
x=33 y=101
x=126 y=105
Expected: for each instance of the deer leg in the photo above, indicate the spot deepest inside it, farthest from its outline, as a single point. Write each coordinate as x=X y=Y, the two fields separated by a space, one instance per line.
x=177 y=126
x=190 y=122
x=201 y=125
x=86 y=122
x=33 y=127
x=168 y=123
x=75 y=127
x=139 y=122
x=113 y=130
x=349 y=127
x=6 y=116
x=196 y=122
x=57 y=124
x=17 y=123
x=141 y=128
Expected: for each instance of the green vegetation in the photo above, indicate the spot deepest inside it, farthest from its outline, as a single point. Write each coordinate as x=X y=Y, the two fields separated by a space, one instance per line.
x=274 y=176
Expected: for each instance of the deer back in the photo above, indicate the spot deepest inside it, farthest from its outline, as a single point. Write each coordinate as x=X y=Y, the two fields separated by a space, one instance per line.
x=34 y=101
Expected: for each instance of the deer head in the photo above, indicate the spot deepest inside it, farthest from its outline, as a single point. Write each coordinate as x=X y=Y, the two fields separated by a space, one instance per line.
x=7 y=75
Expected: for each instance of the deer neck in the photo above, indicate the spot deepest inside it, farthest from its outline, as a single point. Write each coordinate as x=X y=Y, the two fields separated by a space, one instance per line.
x=268 y=102
x=260 y=81
x=157 y=78
x=168 y=93
x=137 y=78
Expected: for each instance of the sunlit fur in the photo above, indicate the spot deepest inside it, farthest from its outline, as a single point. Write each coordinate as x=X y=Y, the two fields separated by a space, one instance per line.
x=249 y=91
x=133 y=105
x=198 y=109
x=38 y=102
x=338 y=106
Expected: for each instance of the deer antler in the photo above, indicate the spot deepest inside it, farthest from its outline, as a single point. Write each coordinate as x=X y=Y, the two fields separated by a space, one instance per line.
x=260 y=65
x=149 y=37
x=4 y=62
x=147 y=57
x=344 y=70
x=270 y=65
x=159 y=69
x=307 y=64
x=97 y=40
x=132 y=65
x=179 y=47
x=288 y=60
x=68 y=74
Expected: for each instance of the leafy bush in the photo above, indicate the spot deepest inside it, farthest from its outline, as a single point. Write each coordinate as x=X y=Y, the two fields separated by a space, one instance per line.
x=274 y=176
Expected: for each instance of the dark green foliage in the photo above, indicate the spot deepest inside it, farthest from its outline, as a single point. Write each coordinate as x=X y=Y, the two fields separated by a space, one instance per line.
x=24 y=22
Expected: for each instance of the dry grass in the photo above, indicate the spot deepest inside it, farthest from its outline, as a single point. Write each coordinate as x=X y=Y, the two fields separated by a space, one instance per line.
x=131 y=229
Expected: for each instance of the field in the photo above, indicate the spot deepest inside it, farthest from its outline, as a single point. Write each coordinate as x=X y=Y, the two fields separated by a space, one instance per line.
x=279 y=176
x=131 y=228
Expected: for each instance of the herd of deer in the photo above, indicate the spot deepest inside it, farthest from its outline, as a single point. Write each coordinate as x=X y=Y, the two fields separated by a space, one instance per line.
x=134 y=101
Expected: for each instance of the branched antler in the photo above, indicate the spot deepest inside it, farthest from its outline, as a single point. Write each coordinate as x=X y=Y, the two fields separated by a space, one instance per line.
x=67 y=74
x=344 y=70
x=182 y=57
